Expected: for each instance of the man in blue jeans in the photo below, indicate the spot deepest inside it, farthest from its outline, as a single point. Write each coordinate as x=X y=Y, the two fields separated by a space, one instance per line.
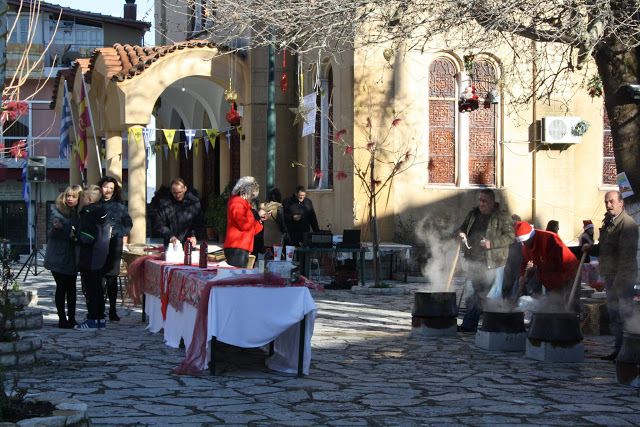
x=617 y=250
x=488 y=231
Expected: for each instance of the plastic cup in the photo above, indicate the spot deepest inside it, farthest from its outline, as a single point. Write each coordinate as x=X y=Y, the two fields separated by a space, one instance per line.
x=277 y=252
x=290 y=250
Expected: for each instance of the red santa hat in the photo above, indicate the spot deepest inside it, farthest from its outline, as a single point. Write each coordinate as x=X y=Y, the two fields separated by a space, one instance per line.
x=523 y=231
x=587 y=224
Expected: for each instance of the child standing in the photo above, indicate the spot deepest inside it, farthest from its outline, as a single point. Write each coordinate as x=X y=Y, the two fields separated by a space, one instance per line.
x=92 y=239
x=60 y=256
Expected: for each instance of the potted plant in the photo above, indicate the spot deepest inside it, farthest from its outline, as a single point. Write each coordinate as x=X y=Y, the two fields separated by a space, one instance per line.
x=216 y=215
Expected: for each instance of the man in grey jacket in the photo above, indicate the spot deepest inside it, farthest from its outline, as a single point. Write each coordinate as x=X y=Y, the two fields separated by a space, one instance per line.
x=617 y=251
x=488 y=232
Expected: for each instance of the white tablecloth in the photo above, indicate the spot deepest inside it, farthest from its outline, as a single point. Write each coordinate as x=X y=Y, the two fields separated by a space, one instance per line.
x=246 y=317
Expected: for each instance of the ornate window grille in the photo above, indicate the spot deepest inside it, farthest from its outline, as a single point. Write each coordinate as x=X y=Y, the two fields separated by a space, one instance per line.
x=609 y=170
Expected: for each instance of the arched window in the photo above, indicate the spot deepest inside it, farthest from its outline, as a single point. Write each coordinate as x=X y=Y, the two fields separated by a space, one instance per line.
x=462 y=145
x=442 y=122
x=609 y=170
x=482 y=129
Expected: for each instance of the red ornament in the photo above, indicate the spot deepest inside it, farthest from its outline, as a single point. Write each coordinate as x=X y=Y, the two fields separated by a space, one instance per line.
x=18 y=150
x=283 y=79
x=233 y=117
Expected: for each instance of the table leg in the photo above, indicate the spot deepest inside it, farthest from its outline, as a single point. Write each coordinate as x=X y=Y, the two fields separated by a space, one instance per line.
x=361 y=254
x=144 y=301
x=307 y=264
x=212 y=358
x=301 y=345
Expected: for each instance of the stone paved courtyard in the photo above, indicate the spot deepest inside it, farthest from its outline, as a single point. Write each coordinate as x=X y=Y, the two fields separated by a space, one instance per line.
x=366 y=369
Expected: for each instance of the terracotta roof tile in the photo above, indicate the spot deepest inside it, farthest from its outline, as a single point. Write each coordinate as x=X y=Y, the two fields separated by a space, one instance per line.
x=125 y=61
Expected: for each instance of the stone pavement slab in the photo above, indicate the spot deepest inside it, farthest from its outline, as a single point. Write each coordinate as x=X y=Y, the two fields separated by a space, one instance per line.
x=366 y=369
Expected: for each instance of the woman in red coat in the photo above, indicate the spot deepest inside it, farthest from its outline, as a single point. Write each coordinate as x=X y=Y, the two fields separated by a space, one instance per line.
x=242 y=225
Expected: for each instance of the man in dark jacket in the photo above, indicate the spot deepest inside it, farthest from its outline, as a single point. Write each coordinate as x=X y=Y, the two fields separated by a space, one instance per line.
x=617 y=251
x=299 y=215
x=488 y=231
x=179 y=216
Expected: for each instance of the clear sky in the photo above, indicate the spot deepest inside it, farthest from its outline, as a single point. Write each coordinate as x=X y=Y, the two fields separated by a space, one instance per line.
x=113 y=8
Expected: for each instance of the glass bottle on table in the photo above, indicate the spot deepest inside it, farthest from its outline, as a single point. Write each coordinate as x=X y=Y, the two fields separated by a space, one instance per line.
x=203 y=254
x=187 y=252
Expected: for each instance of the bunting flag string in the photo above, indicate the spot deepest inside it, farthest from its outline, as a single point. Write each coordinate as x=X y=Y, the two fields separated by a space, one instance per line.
x=190 y=134
x=213 y=135
x=147 y=133
x=137 y=135
x=166 y=152
x=196 y=145
x=228 y=134
x=169 y=134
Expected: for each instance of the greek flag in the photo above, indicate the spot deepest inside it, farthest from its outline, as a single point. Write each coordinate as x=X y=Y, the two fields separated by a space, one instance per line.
x=65 y=125
x=26 y=195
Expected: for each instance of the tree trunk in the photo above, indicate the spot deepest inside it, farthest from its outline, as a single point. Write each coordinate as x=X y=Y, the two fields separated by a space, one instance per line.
x=616 y=70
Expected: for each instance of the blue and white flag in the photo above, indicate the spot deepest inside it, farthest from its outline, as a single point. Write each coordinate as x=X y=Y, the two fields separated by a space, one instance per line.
x=26 y=195
x=65 y=125
x=190 y=133
x=147 y=133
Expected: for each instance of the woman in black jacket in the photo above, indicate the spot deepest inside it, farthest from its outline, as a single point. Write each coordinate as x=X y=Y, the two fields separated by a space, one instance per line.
x=121 y=223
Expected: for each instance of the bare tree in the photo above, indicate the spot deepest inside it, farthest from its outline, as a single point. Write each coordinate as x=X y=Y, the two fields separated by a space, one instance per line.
x=550 y=42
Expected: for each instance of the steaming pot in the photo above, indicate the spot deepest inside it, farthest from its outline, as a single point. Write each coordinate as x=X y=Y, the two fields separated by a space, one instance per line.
x=555 y=327
x=630 y=351
x=503 y=321
x=435 y=304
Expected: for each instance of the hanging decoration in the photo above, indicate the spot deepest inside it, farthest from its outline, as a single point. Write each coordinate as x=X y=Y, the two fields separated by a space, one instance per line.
x=18 y=151
x=594 y=85
x=169 y=135
x=232 y=116
x=468 y=63
x=301 y=111
x=230 y=95
x=468 y=100
x=136 y=135
x=196 y=145
x=388 y=54
x=212 y=134
x=283 y=79
x=190 y=134
x=580 y=128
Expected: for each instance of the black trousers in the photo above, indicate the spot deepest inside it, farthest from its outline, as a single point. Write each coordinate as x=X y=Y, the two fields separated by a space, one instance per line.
x=65 y=290
x=92 y=290
x=111 y=270
x=237 y=257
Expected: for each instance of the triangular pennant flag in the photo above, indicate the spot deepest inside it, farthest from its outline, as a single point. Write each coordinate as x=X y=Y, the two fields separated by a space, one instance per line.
x=186 y=150
x=190 y=133
x=146 y=133
x=212 y=134
x=239 y=129
x=228 y=134
x=166 y=152
x=169 y=134
x=205 y=140
x=196 y=145
x=175 y=150
x=137 y=135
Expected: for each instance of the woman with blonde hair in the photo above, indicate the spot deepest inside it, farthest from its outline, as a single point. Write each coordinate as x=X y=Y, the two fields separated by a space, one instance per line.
x=60 y=256
x=242 y=226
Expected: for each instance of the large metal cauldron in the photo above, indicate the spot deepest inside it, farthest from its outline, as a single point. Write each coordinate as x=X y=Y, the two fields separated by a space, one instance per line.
x=628 y=360
x=555 y=327
x=511 y=322
x=630 y=351
x=435 y=304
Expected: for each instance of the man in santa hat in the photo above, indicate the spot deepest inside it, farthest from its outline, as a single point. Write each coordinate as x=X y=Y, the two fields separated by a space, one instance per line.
x=617 y=251
x=586 y=236
x=545 y=255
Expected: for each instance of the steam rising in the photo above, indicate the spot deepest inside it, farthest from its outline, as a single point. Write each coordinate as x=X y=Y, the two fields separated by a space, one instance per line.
x=633 y=325
x=440 y=238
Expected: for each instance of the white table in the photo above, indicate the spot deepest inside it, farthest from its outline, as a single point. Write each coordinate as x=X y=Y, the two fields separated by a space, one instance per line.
x=246 y=317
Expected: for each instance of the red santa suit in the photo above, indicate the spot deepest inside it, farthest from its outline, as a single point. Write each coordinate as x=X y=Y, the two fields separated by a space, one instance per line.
x=556 y=264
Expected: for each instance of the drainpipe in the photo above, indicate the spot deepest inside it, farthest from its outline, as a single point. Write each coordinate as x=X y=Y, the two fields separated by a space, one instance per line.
x=271 y=119
x=535 y=136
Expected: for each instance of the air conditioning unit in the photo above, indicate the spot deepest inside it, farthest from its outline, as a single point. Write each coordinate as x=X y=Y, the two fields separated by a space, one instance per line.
x=558 y=130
